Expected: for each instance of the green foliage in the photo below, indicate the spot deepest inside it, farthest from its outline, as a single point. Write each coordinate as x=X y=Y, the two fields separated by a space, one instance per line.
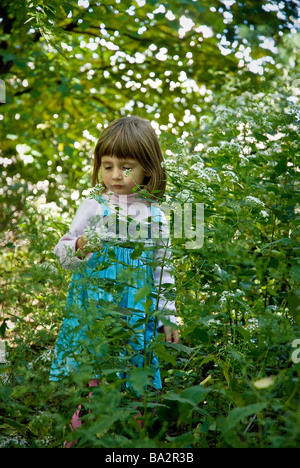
x=231 y=381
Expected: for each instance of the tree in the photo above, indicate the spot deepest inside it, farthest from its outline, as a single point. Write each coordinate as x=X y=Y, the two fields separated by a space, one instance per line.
x=70 y=67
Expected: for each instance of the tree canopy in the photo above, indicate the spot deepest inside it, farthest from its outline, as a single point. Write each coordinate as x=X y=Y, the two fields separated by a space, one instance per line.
x=71 y=67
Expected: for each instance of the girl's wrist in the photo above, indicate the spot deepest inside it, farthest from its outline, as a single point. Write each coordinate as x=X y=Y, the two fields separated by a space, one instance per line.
x=78 y=248
x=77 y=244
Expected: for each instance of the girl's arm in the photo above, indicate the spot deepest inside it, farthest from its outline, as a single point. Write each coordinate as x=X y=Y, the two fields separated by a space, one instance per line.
x=66 y=249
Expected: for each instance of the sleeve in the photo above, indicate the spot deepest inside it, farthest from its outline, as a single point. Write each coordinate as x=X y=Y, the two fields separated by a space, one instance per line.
x=65 y=250
x=163 y=273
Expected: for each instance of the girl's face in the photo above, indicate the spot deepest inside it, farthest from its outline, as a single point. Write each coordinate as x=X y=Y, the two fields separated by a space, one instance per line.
x=121 y=175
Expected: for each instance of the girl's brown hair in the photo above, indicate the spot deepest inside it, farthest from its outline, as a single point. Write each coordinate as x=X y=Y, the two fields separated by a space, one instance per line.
x=133 y=138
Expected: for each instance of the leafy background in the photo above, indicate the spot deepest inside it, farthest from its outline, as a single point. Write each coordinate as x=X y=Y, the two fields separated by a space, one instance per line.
x=220 y=82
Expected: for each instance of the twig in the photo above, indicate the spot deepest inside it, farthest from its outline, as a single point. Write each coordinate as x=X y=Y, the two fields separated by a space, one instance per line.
x=250 y=423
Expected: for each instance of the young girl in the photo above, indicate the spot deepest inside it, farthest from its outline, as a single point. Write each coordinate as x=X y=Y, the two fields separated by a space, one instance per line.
x=108 y=272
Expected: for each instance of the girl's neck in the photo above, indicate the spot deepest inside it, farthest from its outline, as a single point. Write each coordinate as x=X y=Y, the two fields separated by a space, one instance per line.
x=123 y=199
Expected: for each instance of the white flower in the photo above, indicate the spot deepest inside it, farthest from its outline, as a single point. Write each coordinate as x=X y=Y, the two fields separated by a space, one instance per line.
x=255 y=202
x=208 y=174
x=198 y=165
x=185 y=196
x=213 y=149
x=94 y=236
x=50 y=208
x=231 y=175
x=231 y=146
x=226 y=295
x=230 y=294
x=244 y=161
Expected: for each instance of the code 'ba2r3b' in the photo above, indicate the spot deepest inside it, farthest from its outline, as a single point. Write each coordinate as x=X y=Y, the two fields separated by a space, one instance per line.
x=174 y=457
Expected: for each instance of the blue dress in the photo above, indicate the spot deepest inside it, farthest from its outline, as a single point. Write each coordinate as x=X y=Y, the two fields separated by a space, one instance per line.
x=107 y=284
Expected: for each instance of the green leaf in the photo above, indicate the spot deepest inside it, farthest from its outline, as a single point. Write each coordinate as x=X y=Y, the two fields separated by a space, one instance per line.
x=143 y=292
x=137 y=251
x=162 y=353
x=139 y=378
x=295 y=273
x=181 y=347
x=237 y=415
x=191 y=395
x=3 y=328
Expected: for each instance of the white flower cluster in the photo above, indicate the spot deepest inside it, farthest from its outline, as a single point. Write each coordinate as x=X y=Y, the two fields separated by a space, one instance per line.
x=96 y=191
x=223 y=113
x=255 y=202
x=94 y=236
x=213 y=149
x=199 y=165
x=127 y=172
x=231 y=146
x=230 y=175
x=230 y=294
x=244 y=161
x=208 y=175
x=185 y=196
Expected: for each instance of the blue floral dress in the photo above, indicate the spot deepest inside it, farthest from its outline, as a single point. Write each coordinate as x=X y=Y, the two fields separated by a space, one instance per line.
x=108 y=283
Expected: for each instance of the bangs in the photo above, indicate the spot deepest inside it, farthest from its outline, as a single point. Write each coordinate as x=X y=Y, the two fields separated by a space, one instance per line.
x=121 y=144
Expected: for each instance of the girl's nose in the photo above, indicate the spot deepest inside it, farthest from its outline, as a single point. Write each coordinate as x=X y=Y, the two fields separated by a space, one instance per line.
x=117 y=174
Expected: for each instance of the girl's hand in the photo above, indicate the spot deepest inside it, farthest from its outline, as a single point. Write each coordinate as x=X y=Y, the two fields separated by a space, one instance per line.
x=172 y=335
x=83 y=248
x=81 y=242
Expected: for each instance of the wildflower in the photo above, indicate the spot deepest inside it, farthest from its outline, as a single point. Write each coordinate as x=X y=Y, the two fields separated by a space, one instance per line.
x=50 y=209
x=185 y=196
x=230 y=294
x=255 y=202
x=198 y=165
x=97 y=190
x=226 y=295
x=244 y=161
x=94 y=236
x=231 y=146
x=231 y=176
x=208 y=174
x=213 y=149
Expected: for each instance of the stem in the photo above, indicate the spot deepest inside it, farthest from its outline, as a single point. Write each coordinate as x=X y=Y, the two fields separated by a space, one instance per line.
x=270 y=252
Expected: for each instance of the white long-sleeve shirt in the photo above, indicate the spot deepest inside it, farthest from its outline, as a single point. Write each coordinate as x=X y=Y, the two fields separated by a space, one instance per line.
x=85 y=217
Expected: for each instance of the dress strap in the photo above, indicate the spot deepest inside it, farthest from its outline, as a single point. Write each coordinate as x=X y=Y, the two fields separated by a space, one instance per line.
x=104 y=205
